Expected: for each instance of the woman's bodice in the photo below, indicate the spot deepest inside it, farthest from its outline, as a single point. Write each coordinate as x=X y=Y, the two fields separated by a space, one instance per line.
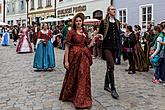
x=76 y=39
x=45 y=35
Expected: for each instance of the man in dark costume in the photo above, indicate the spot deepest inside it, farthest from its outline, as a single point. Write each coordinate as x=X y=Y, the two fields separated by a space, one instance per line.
x=109 y=28
x=15 y=34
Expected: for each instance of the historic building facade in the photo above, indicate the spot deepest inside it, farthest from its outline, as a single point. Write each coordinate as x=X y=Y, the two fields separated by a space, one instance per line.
x=40 y=9
x=91 y=8
x=15 y=11
x=140 y=12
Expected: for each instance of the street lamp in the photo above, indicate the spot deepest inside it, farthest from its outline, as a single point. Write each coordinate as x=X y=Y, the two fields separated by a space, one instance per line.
x=4 y=2
x=27 y=10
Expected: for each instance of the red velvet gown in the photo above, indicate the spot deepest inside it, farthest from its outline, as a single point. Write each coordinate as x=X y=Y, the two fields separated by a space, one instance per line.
x=77 y=83
x=24 y=44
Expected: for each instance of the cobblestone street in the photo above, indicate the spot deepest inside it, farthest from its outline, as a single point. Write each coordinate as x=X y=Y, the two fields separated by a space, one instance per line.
x=22 y=88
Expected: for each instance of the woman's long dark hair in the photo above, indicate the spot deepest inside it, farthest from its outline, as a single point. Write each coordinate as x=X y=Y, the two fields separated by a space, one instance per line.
x=44 y=25
x=74 y=25
x=138 y=27
x=129 y=27
x=157 y=28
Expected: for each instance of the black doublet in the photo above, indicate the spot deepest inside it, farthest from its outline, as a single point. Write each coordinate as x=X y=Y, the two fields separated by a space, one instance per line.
x=111 y=40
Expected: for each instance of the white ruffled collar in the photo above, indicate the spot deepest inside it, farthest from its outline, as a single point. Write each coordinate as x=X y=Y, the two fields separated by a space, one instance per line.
x=45 y=32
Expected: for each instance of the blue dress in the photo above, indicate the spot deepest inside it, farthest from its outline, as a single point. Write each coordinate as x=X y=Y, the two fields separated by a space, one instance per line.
x=5 y=39
x=44 y=57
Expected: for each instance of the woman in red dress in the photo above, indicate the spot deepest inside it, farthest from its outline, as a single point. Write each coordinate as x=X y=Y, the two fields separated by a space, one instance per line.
x=24 y=45
x=77 y=61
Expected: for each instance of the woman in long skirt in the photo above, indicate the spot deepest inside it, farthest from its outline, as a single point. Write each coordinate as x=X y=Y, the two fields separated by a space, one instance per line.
x=141 y=60
x=5 y=38
x=44 y=57
x=24 y=45
x=77 y=61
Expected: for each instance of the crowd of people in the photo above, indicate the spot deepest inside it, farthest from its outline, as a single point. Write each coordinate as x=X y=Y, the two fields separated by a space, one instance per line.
x=143 y=50
x=146 y=50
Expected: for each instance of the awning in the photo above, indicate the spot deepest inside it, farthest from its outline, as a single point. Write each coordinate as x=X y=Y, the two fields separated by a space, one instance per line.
x=91 y=21
x=67 y=18
x=50 y=20
x=3 y=24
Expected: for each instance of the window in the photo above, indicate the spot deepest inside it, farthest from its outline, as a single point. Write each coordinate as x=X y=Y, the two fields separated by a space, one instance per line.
x=87 y=17
x=48 y=2
x=18 y=21
x=13 y=7
x=146 y=15
x=24 y=21
x=39 y=3
x=32 y=4
x=11 y=22
x=8 y=8
x=8 y=22
x=98 y=14
x=122 y=16
x=22 y=4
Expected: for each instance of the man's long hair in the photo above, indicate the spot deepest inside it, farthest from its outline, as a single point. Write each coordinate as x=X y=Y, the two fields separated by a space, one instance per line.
x=107 y=15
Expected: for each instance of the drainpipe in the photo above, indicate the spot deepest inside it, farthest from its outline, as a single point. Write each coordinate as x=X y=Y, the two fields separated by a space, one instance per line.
x=111 y=2
x=27 y=12
x=55 y=8
x=4 y=3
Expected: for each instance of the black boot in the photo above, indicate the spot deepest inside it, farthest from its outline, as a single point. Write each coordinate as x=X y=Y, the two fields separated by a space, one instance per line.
x=131 y=72
x=106 y=83
x=114 y=94
x=118 y=62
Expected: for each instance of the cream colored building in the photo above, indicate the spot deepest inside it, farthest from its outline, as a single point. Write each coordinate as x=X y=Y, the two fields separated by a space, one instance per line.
x=15 y=11
x=91 y=8
x=40 y=9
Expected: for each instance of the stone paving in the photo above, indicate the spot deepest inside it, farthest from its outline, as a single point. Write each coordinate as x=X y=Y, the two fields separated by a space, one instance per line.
x=22 y=88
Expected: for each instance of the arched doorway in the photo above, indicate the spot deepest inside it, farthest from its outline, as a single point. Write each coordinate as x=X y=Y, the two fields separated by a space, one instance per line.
x=98 y=14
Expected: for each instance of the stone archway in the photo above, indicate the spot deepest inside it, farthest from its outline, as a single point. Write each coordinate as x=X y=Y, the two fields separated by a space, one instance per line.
x=98 y=14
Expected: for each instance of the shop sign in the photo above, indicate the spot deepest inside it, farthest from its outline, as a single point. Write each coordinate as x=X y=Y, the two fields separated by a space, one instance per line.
x=71 y=10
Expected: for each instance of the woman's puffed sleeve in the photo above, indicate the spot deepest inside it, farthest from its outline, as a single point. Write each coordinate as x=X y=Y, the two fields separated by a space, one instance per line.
x=39 y=35
x=69 y=37
x=50 y=34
